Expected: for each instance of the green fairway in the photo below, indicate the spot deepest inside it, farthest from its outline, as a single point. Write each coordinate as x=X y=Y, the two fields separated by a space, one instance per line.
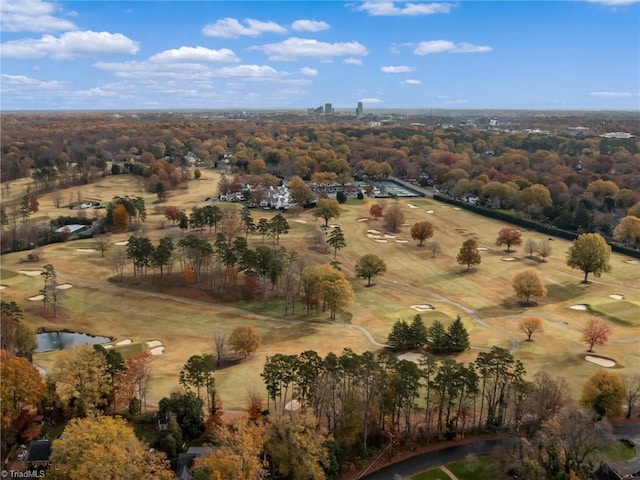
x=434 y=474
x=476 y=468
x=621 y=312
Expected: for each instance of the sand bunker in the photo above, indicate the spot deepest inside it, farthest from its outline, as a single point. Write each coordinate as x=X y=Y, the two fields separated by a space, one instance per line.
x=154 y=343
x=30 y=273
x=617 y=296
x=126 y=242
x=36 y=298
x=422 y=308
x=157 y=351
x=410 y=357
x=2 y=287
x=64 y=286
x=386 y=235
x=632 y=262
x=86 y=250
x=402 y=241
x=443 y=206
x=429 y=211
x=371 y=235
x=126 y=341
x=578 y=307
x=411 y=205
x=375 y=232
x=107 y=347
x=457 y=208
x=380 y=240
x=363 y=219
x=507 y=259
x=603 y=362
x=334 y=225
x=300 y=221
x=482 y=249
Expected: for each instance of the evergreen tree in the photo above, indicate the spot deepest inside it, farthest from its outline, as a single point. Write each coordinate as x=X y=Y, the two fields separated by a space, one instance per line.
x=418 y=332
x=457 y=336
x=400 y=336
x=437 y=339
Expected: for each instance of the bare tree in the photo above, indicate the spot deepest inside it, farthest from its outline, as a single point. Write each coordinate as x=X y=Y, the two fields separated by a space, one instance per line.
x=219 y=341
x=531 y=247
x=102 y=243
x=544 y=249
x=632 y=386
x=117 y=263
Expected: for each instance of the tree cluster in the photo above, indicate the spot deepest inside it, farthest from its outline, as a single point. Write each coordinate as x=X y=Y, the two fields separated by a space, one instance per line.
x=435 y=338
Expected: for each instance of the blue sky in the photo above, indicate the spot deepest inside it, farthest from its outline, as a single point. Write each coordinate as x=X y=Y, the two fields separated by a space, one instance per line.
x=121 y=55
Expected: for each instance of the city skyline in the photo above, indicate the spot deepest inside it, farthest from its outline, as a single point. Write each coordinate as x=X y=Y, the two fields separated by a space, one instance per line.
x=578 y=55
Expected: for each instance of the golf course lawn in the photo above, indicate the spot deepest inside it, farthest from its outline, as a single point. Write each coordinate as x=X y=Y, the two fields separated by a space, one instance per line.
x=483 y=296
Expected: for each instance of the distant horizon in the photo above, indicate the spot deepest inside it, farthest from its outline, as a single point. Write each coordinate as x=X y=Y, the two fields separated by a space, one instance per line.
x=111 y=55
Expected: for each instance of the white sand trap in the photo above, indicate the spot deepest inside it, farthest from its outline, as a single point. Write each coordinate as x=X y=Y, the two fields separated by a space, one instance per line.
x=429 y=211
x=482 y=249
x=632 y=262
x=157 y=351
x=334 y=225
x=154 y=343
x=578 y=307
x=126 y=341
x=64 y=286
x=380 y=240
x=2 y=287
x=300 y=221
x=371 y=235
x=126 y=242
x=30 y=273
x=410 y=357
x=507 y=259
x=411 y=205
x=363 y=219
x=603 y=362
x=402 y=241
x=422 y=308
x=86 y=250
x=293 y=405
x=375 y=232
x=457 y=208
x=107 y=347
x=386 y=235
x=444 y=206
x=617 y=296
x=404 y=224
x=36 y=298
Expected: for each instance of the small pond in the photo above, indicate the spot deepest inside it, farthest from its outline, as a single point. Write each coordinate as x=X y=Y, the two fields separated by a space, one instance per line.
x=58 y=340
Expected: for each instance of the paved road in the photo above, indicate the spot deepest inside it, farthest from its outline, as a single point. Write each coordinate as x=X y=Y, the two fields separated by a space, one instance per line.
x=434 y=459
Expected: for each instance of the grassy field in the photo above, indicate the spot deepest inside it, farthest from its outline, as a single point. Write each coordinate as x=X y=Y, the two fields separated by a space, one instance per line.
x=472 y=468
x=433 y=474
x=482 y=297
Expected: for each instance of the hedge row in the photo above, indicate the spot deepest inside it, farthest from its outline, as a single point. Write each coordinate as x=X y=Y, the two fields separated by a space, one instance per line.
x=530 y=224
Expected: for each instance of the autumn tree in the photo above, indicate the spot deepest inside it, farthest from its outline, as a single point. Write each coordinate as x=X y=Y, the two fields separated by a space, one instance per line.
x=336 y=291
x=375 y=211
x=327 y=208
x=394 y=218
x=605 y=393
x=591 y=254
x=529 y=326
x=544 y=249
x=369 y=266
x=595 y=332
x=421 y=231
x=104 y=447
x=83 y=381
x=531 y=247
x=172 y=213
x=628 y=230
x=120 y=218
x=469 y=254
x=336 y=240
x=244 y=340
x=22 y=386
x=300 y=192
x=528 y=283
x=509 y=236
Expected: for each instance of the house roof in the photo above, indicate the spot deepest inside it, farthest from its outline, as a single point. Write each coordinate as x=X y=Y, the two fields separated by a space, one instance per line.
x=71 y=228
x=39 y=451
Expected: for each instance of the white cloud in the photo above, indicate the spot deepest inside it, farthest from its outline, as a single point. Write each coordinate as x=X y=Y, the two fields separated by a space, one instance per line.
x=396 y=69
x=248 y=72
x=446 y=46
x=232 y=28
x=384 y=8
x=24 y=81
x=311 y=72
x=352 y=61
x=31 y=16
x=612 y=94
x=71 y=45
x=456 y=102
x=411 y=81
x=309 y=26
x=195 y=54
x=371 y=100
x=295 y=47
x=614 y=3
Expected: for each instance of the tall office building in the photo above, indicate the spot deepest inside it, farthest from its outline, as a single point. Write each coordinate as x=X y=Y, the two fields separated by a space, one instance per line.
x=328 y=108
x=359 y=109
